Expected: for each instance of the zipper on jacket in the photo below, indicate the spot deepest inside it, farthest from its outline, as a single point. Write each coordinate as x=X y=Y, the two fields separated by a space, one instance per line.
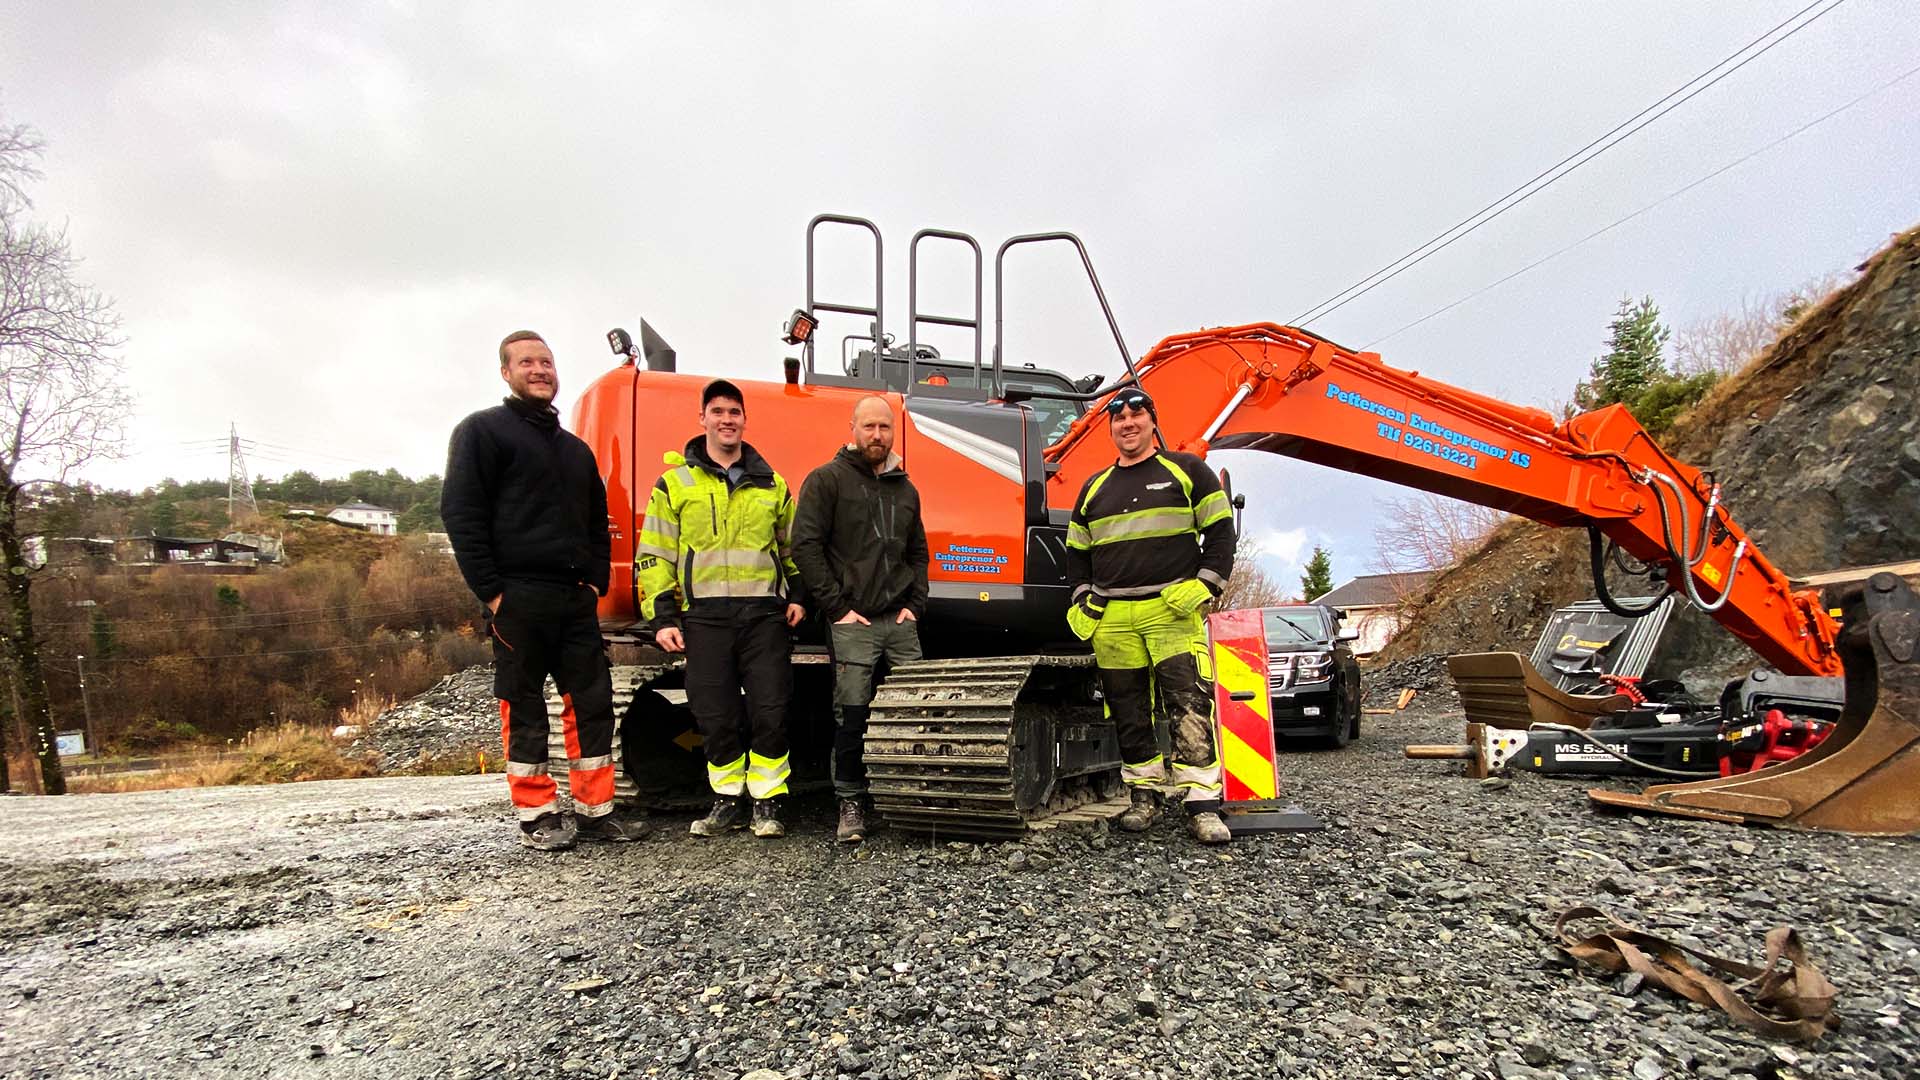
x=713 y=515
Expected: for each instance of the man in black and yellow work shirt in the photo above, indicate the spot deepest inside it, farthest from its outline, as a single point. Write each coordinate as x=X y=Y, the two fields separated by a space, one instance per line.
x=1150 y=544
x=716 y=567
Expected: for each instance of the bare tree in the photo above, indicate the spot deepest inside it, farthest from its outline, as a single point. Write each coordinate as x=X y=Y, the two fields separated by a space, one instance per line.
x=1250 y=586
x=1424 y=531
x=1724 y=343
x=62 y=405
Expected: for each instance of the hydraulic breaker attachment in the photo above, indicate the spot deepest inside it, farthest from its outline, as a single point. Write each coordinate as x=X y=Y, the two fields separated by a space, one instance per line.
x=1865 y=777
x=1487 y=748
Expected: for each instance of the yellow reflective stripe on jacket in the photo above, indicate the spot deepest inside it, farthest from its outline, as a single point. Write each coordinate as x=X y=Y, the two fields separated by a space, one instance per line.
x=1094 y=488
x=1179 y=474
x=1211 y=508
x=1141 y=524
x=1078 y=536
x=657 y=551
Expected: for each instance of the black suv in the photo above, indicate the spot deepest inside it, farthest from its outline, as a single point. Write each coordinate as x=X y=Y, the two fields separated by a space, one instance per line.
x=1312 y=678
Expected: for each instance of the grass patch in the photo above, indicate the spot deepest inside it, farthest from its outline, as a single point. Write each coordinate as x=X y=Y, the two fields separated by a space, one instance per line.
x=278 y=755
x=459 y=763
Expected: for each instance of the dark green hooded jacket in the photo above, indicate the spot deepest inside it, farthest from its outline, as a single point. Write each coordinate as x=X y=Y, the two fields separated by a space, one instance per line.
x=858 y=539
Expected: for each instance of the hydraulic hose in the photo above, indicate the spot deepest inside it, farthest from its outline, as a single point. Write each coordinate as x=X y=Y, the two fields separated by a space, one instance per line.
x=1691 y=558
x=1600 y=580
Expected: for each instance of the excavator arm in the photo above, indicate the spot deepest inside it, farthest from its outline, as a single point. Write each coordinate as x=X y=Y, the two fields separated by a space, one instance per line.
x=1283 y=390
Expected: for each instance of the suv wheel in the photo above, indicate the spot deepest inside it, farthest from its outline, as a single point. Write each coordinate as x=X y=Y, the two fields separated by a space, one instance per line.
x=1342 y=735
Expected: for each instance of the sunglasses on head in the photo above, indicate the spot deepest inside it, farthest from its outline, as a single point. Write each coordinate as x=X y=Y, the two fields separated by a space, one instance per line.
x=1129 y=399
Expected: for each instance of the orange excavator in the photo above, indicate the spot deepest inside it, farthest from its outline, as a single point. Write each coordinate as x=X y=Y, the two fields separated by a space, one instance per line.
x=1001 y=727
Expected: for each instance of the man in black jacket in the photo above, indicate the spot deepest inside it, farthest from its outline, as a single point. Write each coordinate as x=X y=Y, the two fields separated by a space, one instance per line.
x=526 y=512
x=862 y=551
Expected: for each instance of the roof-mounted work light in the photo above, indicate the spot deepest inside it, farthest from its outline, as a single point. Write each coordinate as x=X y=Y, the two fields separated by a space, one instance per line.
x=799 y=328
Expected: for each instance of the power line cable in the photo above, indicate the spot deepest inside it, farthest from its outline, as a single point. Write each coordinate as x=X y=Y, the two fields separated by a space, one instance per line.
x=1553 y=173
x=454 y=594
x=279 y=625
x=1670 y=196
x=252 y=655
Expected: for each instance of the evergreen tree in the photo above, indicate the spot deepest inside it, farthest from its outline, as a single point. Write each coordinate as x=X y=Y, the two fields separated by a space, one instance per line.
x=1634 y=371
x=1663 y=402
x=100 y=634
x=422 y=517
x=1633 y=360
x=1318 y=580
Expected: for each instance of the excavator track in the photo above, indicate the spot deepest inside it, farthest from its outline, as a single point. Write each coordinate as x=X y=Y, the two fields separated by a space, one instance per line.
x=628 y=682
x=992 y=748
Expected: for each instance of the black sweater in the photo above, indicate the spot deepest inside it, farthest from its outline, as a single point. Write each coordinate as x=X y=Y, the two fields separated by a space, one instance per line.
x=523 y=500
x=1136 y=568
x=859 y=541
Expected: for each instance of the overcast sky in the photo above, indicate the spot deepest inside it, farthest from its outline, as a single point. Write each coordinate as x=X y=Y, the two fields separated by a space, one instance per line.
x=318 y=220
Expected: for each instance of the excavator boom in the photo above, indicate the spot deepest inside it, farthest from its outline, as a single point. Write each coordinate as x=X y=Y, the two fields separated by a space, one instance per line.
x=1286 y=391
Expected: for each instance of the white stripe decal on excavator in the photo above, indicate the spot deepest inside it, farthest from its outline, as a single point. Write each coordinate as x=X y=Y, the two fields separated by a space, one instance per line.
x=1001 y=459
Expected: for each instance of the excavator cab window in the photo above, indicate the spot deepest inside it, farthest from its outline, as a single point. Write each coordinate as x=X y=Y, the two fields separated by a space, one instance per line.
x=1051 y=415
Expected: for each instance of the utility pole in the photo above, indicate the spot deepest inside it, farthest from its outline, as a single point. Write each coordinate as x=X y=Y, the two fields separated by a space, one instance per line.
x=86 y=707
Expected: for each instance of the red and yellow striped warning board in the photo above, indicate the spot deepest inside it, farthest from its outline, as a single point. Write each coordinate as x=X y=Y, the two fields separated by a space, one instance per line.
x=1242 y=707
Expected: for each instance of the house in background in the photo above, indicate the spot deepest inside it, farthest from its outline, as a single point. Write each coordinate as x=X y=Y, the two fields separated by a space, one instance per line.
x=200 y=553
x=1372 y=603
x=374 y=519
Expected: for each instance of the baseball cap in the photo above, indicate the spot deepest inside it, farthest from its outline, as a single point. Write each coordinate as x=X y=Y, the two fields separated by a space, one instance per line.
x=721 y=388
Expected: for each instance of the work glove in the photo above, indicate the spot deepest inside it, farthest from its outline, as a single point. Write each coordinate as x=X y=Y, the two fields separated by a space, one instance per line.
x=1185 y=597
x=1084 y=616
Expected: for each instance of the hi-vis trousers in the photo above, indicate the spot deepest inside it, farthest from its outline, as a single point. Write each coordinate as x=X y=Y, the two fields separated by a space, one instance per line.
x=739 y=678
x=549 y=628
x=1154 y=661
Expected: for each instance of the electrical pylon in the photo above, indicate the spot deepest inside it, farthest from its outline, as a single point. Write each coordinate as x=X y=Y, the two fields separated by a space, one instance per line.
x=239 y=488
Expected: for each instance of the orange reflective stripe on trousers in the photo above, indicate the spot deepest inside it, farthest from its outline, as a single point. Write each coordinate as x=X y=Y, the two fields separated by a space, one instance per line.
x=589 y=780
x=531 y=791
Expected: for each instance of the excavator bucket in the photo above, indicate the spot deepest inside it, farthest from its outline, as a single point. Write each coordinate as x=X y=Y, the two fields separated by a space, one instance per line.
x=1865 y=778
x=1502 y=689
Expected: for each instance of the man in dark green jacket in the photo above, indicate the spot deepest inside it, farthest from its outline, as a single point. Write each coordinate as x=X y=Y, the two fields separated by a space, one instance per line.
x=862 y=552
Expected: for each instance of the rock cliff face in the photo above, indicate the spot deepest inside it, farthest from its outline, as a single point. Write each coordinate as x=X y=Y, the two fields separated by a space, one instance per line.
x=1816 y=443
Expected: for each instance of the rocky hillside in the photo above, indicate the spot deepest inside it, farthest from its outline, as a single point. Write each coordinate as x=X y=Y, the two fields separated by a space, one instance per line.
x=1817 y=443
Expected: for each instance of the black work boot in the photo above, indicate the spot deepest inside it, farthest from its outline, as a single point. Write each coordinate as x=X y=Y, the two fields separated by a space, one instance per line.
x=1146 y=802
x=729 y=813
x=853 y=822
x=548 y=832
x=612 y=828
x=766 y=819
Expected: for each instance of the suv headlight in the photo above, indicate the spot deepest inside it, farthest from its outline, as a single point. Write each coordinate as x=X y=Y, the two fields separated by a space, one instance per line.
x=1287 y=670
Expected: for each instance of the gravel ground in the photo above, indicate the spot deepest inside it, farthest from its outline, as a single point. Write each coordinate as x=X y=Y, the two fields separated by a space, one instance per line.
x=389 y=928
x=457 y=716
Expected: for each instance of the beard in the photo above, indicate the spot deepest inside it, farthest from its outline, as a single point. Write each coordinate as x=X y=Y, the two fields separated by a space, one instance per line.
x=875 y=453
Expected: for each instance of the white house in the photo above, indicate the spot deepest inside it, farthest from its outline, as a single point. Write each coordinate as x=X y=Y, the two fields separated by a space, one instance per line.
x=1372 y=603
x=374 y=519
